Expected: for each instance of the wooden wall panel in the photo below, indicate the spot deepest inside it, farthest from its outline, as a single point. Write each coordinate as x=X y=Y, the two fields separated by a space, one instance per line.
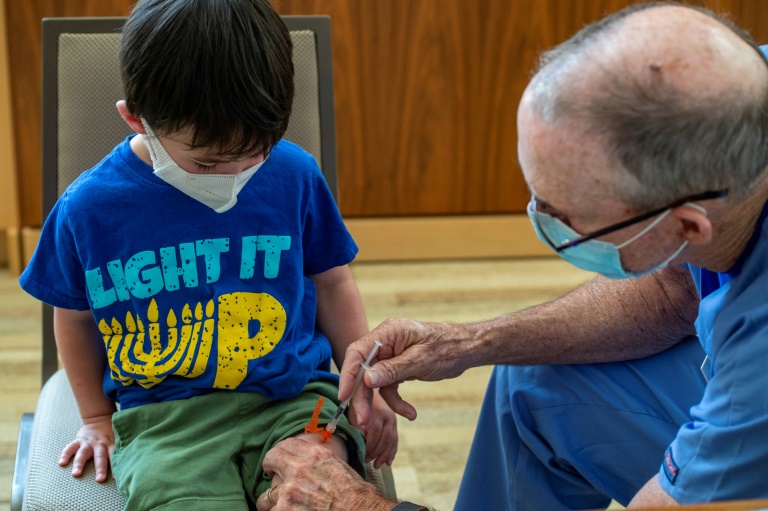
x=9 y=207
x=426 y=93
x=422 y=93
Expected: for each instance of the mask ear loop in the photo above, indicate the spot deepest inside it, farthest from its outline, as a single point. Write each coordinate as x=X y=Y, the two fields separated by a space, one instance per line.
x=150 y=139
x=685 y=243
x=647 y=228
x=696 y=207
x=659 y=219
x=535 y=215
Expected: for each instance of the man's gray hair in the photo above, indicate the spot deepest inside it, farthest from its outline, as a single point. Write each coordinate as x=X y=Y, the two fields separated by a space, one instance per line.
x=670 y=144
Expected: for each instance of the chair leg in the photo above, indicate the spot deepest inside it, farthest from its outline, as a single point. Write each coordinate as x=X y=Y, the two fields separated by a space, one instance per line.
x=388 y=481
x=22 y=457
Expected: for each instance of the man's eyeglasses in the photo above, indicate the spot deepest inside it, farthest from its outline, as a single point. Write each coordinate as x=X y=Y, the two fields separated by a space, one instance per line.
x=631 y=221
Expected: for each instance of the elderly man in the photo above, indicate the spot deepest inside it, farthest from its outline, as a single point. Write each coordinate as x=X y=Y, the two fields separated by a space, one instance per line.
x=644 y=141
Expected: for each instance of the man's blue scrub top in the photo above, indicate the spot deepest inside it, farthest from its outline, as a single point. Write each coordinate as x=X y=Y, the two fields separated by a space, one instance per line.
x=722 y=453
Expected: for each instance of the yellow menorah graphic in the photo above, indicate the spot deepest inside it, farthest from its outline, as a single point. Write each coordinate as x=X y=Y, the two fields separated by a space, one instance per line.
x=136 y=354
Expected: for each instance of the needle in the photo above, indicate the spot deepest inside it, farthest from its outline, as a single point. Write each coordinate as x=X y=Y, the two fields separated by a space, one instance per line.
x=331 y=427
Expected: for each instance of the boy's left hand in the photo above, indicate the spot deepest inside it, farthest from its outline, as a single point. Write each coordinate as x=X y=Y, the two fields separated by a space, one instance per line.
x=380 y=433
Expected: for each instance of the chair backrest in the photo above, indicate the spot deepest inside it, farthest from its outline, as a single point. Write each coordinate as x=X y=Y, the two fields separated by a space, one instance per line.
x=81 y=84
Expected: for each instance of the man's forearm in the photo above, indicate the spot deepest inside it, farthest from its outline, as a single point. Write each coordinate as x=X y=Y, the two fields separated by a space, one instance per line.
x=652 y=495
x=601 y=321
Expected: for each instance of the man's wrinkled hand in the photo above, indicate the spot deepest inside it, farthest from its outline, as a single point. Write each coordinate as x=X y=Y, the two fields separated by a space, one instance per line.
x=313 y=479
x=411 y=350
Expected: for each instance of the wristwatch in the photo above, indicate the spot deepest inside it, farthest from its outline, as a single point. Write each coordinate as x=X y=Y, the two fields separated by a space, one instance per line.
x=409 y=506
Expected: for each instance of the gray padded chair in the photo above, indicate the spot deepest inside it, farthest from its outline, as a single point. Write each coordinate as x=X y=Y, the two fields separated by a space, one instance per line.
x=81 y=84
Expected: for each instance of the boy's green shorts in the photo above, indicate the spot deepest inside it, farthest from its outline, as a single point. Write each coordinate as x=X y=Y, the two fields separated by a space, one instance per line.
x=205 y=453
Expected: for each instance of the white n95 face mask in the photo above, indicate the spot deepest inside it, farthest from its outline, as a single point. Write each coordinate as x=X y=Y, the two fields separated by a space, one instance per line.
x=595 y=255
x=217 y=191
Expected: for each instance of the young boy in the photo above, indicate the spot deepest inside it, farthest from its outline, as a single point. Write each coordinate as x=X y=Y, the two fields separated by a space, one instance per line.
x=199 y=272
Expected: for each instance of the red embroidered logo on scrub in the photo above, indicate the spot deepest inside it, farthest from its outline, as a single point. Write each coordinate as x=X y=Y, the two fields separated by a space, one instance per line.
x=670 y=469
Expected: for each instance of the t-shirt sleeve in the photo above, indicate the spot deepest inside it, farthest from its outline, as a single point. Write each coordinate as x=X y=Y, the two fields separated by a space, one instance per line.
x=54 y=274
x=326 y=240
x=721 y=454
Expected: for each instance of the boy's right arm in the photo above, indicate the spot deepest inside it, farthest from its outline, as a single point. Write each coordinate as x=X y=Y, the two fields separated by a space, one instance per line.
x=81 y=349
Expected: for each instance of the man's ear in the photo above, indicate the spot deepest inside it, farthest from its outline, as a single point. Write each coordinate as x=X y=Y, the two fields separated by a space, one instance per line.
x=133 y=121
x=697 y=227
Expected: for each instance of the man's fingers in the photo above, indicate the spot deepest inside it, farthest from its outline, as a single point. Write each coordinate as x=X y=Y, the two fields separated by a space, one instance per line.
x=263 y=504
x=362 y=406
x=393 y=370
x=283 y=457
x=274 y=458
x=389 y=334
x=390 y=445
x=397 y=403
x=294 y=446
x=387 y=444
x=355 y=356
x=373 y=441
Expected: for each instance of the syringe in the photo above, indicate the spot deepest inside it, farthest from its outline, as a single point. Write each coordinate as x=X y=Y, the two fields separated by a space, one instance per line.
x=331 y=427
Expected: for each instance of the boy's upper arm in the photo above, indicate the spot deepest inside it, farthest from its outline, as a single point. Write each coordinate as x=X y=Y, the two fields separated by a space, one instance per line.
x=84 y=316
x=332 y=277
x=69 y=321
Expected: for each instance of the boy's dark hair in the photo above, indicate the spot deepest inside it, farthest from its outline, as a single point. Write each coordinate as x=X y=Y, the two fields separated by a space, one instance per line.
x=221 y=70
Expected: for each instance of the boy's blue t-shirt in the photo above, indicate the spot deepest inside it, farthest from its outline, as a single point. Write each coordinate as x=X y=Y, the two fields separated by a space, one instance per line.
x=188 y=300
x=721 y=453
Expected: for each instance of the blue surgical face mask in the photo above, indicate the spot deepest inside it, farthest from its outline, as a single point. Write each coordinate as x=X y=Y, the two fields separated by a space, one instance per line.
x=594 y=255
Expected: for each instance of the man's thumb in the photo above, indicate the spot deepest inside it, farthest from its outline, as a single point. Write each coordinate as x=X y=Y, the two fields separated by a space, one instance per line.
x=386 y=372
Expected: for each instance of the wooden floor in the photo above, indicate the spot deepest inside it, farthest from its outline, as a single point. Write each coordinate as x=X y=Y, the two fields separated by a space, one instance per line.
x=433 y=449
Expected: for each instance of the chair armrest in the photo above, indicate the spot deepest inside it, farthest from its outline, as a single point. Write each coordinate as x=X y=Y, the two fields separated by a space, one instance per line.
x=22 y=457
